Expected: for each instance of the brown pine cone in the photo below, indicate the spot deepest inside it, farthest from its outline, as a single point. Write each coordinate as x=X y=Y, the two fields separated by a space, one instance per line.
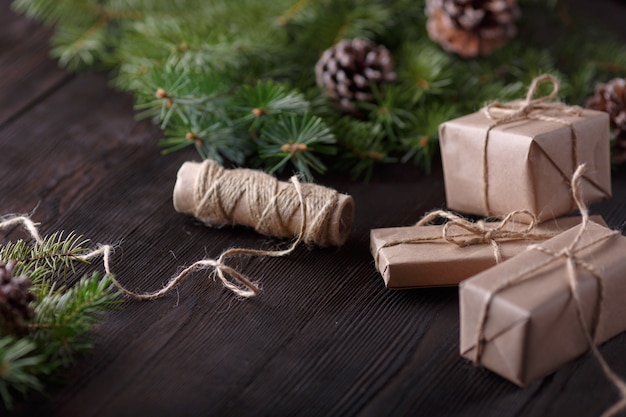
x=471 y=27
x=611 y=98
x=347 y=71
x=15 y=298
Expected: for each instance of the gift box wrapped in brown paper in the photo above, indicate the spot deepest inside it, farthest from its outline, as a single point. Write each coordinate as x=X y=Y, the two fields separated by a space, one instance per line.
x=420 y=256
x=521 y=319
x=520 y=155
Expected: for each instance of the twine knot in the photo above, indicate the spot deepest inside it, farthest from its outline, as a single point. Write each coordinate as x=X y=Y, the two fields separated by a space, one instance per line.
x=523 y=109
x=472 y=233
x=480 y=232
x=485 y=232
x=487 y=235
x=568 y=253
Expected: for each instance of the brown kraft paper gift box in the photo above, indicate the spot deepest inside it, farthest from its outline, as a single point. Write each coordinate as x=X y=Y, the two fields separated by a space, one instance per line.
x=428 y=260
x=520 y=155
x=525 y=315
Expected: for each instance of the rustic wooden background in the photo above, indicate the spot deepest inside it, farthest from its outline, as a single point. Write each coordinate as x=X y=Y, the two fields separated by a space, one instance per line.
x=324 y=338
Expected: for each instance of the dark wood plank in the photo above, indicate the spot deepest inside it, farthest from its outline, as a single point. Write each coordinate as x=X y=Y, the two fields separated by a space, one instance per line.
x=324 y=337
x=28 y=74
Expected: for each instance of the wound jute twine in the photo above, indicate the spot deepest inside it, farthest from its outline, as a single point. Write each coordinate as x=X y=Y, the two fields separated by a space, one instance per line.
x=218 y=197
x=529 y=108
x=463 y=232
x=572 y=264
x=309 y=213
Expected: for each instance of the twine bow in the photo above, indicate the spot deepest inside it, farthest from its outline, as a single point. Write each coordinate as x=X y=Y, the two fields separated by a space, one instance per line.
x=473 y=233
x=482 y=232
x=530 y=107
x=573 y=264
x=538 y=108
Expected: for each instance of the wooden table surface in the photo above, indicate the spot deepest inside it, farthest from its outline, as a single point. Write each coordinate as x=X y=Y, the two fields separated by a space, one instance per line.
x=324 y=338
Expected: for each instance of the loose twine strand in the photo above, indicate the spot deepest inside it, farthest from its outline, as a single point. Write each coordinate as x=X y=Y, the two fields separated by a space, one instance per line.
x=473 y=233
x=241 y=286
x=238 y=282
x=573 y=264
x=529 y=108
x=9 y=221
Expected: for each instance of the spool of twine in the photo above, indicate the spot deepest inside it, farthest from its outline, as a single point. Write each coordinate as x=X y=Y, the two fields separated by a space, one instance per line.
x=219 y=197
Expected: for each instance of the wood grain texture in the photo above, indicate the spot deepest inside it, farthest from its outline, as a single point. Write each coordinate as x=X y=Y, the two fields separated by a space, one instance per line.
x=324 y=338
x=28 y=75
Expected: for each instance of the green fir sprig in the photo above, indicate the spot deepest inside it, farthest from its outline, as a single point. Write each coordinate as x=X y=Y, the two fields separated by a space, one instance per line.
x=21 y=366
x=233 y=79
x=296 y=139
x=66 y=305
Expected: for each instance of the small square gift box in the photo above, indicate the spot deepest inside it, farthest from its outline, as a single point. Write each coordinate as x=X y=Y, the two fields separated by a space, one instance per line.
x=528 y=316
x=521 y=155
x=427 y=255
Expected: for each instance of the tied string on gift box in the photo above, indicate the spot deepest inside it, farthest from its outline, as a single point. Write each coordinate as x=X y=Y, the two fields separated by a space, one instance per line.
x=463 y=232
x=573 y=263
x=530 y=108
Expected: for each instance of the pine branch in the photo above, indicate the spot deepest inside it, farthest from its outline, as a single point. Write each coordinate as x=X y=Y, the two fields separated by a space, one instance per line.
x=213 y=138
x=55 y=255
x=64 y=319
x=427 y=67
x=45 y=319
x=296 y=139
x=79 y=47
x=194 y=68
x=421 y=142
x=18 y=360
x=50 y=11
x=364 y=142
x=255 y=104
x=393 y=109
x=319 y=25
x=173 y=93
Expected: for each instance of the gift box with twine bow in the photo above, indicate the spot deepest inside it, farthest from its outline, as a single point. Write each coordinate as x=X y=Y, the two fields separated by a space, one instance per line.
x=521 y=155
x=528 y=316
x=430 y=255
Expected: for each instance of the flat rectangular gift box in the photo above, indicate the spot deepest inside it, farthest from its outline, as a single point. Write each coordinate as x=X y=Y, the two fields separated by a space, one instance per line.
x=433 y=262
x=531 y=325
x=529 y=162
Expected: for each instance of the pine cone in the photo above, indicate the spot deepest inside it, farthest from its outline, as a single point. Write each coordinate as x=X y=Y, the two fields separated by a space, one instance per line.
x=15 y=298
x=348 y=70
x=611 y=98
x=471 y=27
